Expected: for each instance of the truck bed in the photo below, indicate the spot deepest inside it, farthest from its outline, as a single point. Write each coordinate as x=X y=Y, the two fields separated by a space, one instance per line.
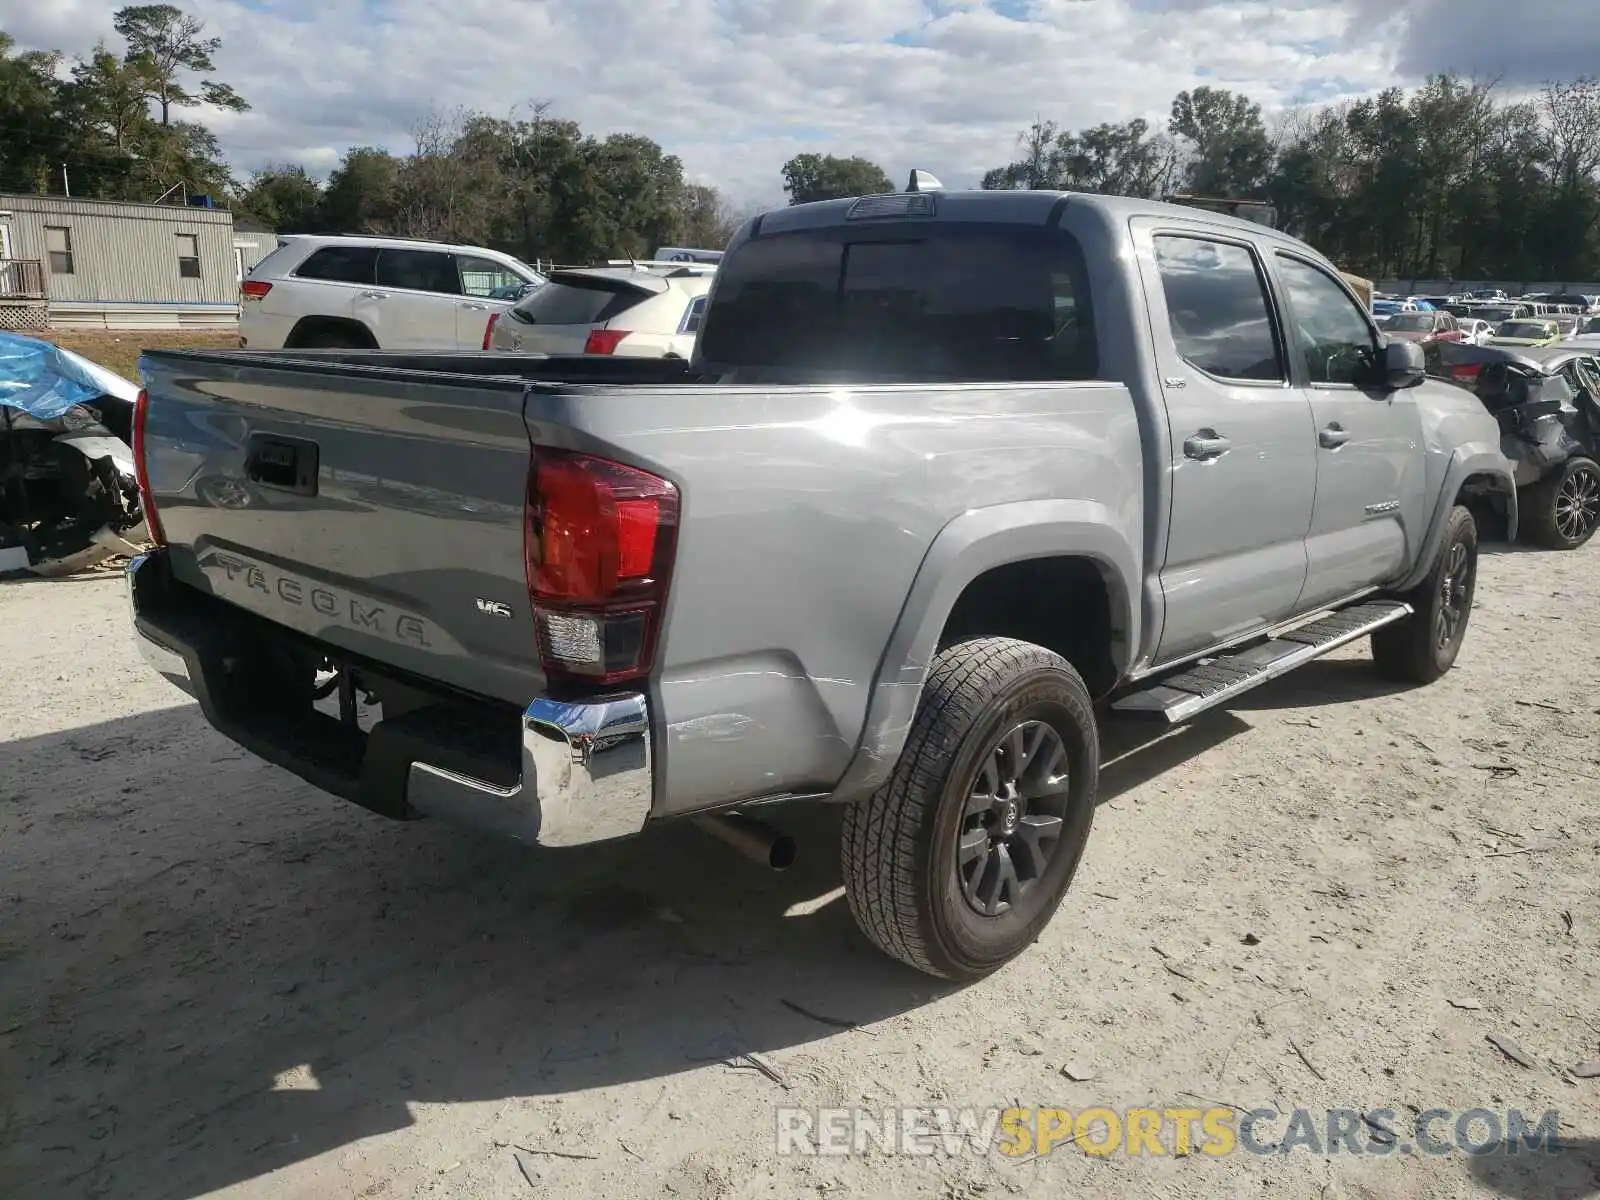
x=806 y=515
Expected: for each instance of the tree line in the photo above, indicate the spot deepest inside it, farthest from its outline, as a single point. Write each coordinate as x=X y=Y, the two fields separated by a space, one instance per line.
x=1450 y=180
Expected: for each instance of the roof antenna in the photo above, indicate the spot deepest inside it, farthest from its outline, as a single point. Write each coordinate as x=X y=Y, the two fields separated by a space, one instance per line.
x=923 y=181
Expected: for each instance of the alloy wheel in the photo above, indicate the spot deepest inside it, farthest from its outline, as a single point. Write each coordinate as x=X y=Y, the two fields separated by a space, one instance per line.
x=1578 y=504
x=1013 y=819
x=1455 y=594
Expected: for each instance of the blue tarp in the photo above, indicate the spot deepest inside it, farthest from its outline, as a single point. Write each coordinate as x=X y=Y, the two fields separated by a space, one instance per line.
x=44 y=381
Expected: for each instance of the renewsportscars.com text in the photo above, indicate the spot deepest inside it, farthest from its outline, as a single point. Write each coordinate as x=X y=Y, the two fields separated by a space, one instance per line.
x=1177 y=1131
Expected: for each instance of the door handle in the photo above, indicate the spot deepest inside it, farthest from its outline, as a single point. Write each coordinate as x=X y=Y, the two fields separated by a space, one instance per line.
x=1206 y=444
x=477 y=307
x=375 y=295
x=1332 y=436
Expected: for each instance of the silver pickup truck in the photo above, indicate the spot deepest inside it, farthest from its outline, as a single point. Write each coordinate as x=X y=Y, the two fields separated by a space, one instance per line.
x=950 y=475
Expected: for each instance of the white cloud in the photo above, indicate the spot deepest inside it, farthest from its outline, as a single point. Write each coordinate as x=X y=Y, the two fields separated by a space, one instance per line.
x=735 y=87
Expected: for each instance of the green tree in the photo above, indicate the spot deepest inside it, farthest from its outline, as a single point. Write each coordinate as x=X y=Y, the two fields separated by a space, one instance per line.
x=165 y=43
x=808 y=177
x=360 y=195
x=34 y=138
x=1129 y=159
x=284 y=198
x=1230 y=153
x=707 y=221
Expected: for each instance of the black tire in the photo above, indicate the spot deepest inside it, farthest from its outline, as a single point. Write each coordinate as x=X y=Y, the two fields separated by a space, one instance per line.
x=1424 y=646
x=1564 y=507
x=906 y=880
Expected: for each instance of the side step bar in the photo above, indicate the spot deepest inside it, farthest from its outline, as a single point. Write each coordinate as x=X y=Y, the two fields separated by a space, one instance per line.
x=1215 y=681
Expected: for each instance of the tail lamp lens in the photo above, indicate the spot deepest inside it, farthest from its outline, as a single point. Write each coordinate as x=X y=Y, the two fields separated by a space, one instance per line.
x=488 y=330
x=141 y=470
x=604 y=341
x=254 y=289
x=599 y=542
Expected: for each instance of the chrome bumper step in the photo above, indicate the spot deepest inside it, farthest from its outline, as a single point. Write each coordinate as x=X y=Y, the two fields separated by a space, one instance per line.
x=1213 y=682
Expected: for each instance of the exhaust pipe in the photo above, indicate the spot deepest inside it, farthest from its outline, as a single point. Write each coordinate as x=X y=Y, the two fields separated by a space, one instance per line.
x=754 y=839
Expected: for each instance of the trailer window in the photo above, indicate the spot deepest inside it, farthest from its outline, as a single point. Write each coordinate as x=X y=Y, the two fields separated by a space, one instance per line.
x=906 y=300
x=188 y=256
x=58 y=244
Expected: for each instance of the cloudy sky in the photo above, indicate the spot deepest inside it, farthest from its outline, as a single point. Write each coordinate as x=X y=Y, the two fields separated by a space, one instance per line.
x=735 y=87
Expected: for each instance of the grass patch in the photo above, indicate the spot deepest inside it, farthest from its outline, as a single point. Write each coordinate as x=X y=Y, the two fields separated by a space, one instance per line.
x=119 y=350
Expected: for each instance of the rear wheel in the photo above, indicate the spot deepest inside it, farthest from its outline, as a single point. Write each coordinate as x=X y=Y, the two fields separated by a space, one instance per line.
x=1424 y=645
x=1564 y=508
x=958 y=862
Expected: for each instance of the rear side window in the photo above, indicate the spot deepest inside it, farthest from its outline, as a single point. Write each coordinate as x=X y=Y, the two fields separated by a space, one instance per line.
x=918 y=301
x=693 y=315
x=576 y=304
x=487 y=278
x=418 y=270
x=1217 y=308
x=341 y=264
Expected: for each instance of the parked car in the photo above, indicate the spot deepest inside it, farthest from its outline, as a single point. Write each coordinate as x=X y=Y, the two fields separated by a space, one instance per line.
x=1527 y=331
x=1473 y=330
x=908 y=514
x=633 y=311
x=1496 y=313
x=1545 y=399
x=318 y=291
x=1426 y=329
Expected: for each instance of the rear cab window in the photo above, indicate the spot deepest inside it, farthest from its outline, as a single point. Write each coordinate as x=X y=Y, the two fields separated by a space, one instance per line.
x=923 y=300
x=341 y=264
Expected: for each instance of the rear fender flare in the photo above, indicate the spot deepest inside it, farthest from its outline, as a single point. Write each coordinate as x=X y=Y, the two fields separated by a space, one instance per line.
x=975 y=542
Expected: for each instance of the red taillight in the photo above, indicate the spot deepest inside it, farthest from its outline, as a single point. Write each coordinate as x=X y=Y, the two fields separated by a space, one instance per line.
x=604 y=341
x=598 y=542
x=1465 y=372
x=141 y=472
x=488 y=330
x=254 y=289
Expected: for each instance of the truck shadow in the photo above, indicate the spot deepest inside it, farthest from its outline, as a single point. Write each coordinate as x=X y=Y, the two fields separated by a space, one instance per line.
x=234 y=974
x=212 y=972
x=1570 y=1172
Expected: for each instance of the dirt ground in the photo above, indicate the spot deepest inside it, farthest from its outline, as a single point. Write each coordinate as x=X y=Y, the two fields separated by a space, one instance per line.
x=119 y=351
x=215 y=980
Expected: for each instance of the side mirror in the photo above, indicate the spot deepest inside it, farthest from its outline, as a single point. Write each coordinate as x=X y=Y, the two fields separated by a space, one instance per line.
x=1402 y=365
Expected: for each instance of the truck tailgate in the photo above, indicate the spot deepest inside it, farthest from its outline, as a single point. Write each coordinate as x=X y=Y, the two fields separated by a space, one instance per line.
x=367 y=509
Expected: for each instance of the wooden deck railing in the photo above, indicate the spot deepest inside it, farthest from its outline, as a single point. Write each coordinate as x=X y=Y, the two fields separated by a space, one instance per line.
x=22 y=279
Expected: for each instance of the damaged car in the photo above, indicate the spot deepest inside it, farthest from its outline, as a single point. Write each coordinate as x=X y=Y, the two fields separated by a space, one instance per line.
x=69 y=494
x=1547 y=401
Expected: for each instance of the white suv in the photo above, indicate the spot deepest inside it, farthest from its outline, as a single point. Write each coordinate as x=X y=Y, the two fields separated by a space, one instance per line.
x=641 y=310
x=377 y=293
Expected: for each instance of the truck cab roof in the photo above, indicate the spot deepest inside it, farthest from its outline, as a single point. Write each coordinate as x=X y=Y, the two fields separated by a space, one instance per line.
x=1000 y=206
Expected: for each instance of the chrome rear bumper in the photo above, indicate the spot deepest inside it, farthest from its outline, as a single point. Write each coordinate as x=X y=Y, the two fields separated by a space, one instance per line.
x=586 y=769
x=585 y=777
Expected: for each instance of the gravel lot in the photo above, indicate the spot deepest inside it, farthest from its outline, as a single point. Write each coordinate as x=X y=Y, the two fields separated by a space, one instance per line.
x=213 y=979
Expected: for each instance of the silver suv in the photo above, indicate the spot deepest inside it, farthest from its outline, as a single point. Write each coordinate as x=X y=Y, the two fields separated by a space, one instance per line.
x=377 y=293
